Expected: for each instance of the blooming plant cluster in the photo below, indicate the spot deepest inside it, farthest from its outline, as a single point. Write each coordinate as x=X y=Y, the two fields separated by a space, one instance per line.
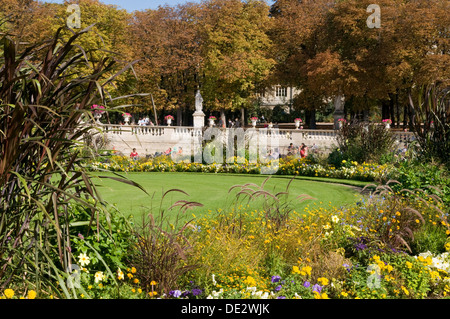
x=11 y=294
x=317 y=253
x=287 y=166
x=212 y=118
x=387 y=121
x=98 y=108
x=254 y=118
x=168 y=117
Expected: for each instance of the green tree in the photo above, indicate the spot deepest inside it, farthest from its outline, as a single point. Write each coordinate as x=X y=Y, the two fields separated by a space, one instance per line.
x=235 y=52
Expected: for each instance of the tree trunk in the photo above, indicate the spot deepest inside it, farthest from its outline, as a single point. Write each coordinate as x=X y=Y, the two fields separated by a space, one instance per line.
x=397 y=106
x=242 y=116
x=179 y=116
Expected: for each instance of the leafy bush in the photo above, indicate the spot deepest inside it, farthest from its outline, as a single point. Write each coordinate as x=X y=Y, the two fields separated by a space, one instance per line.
x=363 y=142
x=110 y=236
x=429 y=177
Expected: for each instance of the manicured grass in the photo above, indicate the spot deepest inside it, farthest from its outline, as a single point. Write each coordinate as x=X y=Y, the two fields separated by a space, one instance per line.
x=211 y=190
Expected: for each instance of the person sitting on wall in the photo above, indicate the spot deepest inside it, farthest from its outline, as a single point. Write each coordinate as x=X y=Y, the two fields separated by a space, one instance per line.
x=134 y=155
x=291 y=149
x=168 y=151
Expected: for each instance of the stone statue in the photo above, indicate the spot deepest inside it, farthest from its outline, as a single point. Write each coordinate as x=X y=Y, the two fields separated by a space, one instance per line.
x=198 y=102
x=199 y=116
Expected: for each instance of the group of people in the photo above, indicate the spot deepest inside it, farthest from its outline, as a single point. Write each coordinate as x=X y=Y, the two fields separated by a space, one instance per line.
x=302 y=150
x=175 y=151
x=145 y=121
x=231 y=123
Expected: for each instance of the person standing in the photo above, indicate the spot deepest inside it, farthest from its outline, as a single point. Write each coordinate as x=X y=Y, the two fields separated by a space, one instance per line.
x=303 y=151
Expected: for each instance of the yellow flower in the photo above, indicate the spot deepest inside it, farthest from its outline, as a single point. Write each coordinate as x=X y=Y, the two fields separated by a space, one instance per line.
x=120 y=274
x=133 y=270
x=136 y=281
x=307 y=269
x=324 y=281
x=31 y=294
x=9 y=293
x=405 y=290
x=153 y=283
x=409 y=264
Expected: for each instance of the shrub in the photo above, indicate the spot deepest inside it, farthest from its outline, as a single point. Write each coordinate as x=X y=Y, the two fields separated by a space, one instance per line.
x=363 y=142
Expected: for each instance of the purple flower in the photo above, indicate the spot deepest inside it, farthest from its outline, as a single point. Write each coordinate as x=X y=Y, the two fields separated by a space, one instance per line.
x=278 y=288
x=196 y=292
x=281 y=297
x=275 y=279
x=306 y=284
x=175 y=293
x=81 y=236
x=317 y=288
x=361 y=246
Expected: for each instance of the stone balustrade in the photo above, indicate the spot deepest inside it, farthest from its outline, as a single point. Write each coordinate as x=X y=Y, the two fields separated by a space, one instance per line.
x=151 y=139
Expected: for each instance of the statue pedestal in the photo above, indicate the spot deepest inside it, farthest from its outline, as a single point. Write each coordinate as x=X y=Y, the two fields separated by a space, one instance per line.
x=199 y=119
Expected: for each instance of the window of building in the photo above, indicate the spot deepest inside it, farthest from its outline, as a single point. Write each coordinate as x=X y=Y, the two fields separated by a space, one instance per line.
x=280 y=91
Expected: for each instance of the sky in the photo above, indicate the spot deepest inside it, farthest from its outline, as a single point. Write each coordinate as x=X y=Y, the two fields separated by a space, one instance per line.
x=132 y=5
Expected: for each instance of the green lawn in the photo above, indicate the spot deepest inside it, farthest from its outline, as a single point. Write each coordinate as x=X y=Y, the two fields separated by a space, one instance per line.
x=211 y=190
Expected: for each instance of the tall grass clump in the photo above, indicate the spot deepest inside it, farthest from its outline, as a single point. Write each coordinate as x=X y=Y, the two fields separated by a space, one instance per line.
x=45 y=113
x=430 y=120
x=161 y=248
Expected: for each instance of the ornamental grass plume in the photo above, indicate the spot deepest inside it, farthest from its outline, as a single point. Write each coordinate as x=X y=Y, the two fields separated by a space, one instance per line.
x=161 y=248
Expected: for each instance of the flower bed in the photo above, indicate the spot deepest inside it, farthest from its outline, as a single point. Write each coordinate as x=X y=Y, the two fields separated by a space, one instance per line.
x=288 y=166
x=351 y=252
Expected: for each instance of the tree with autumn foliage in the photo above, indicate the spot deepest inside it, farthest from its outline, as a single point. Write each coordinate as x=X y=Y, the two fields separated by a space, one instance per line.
x=167 y=43
x=235 y=53
x=328 y=50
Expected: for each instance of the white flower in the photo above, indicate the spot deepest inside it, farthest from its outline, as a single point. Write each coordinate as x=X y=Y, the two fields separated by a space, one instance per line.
x=99 y=276
x=214 y=279
x=83 y=259
x=252 y=289
x=334 y=219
